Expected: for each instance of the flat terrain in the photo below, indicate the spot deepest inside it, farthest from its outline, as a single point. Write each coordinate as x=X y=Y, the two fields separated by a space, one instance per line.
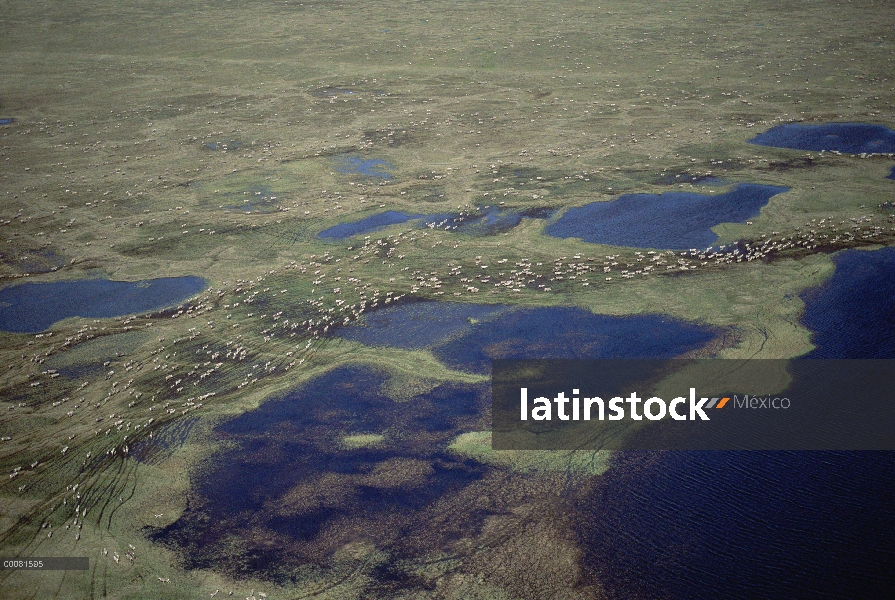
x=216 y=139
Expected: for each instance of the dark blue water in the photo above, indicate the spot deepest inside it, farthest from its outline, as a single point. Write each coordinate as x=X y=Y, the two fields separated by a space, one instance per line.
x=853 y=314
x=891 y=174
x=744 y=525
x=372 y=223
x=371 y=167
x=288 y=478
x=853 y=138
x=507 y=332
x=33 y=307
x=7 y=121
x=673 y=221
x=570 y=333
x=420 y=324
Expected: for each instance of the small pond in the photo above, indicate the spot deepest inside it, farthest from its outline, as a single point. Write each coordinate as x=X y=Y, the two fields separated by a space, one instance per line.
x=34 y=307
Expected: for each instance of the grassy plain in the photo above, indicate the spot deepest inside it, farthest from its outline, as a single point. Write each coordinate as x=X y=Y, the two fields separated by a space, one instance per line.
x=116 y=166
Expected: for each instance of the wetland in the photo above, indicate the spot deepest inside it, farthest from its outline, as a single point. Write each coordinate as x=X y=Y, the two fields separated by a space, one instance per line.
x=371 y=208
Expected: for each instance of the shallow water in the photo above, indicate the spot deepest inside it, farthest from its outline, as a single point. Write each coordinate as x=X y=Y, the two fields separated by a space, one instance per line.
x=367 y=225
x=33 y=262
x=469 y=336
x=34 y=307
x=853 y=138
x=7 y=121
x=570 y=333
x=489 y=222
x=371 y=167
x=289 y=480
x=419 y=325
x=672 y=221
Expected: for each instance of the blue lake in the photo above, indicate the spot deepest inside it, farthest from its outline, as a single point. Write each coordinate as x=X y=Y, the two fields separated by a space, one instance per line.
x=744 y=525
x=34 y=307
x=7 y=121
x=370 y=167
x=673 y=221
x=853 y=138
x=853 y=314
x=891 y=174
x=469 y=336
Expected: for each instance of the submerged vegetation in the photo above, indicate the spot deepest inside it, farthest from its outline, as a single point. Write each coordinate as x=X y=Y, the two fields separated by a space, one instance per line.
x=143 y=145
